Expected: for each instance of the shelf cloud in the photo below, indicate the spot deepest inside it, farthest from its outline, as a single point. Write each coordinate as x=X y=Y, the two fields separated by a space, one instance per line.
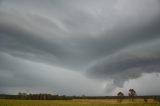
x=95 y=45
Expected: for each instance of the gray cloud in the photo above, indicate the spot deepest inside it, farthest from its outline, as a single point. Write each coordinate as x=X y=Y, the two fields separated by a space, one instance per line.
x=129 y=63
x=117 y=40
x=23 y=75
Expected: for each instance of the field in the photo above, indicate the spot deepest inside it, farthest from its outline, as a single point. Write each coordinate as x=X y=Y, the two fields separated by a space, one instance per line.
x=80 y=102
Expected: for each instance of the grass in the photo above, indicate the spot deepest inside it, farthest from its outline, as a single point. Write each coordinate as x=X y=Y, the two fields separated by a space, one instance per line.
x=77 y=102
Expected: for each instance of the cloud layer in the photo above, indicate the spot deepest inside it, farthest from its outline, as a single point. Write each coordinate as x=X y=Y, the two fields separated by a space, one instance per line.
x=103 y=42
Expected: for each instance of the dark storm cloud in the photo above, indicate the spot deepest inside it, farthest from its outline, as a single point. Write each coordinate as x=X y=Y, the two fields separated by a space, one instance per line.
x=117 y=40
x=14 y=32
x=136 y=53
x=19 y=41
x=130 y=63
x=21 y=28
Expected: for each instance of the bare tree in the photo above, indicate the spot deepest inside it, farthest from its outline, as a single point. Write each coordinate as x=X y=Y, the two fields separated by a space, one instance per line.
x=132 y=94
x=120 y=96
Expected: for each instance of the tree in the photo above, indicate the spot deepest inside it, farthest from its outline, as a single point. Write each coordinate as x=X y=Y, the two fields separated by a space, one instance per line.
x=120 y=96
x=132 y=94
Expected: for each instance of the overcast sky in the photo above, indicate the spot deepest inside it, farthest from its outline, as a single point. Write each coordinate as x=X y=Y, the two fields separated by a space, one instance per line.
x=80 y=47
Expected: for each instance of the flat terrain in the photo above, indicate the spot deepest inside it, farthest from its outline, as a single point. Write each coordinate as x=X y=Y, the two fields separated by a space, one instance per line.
x=80 y=102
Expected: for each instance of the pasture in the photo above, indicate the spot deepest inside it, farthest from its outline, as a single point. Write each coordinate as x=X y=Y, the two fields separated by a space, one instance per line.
x=77 y=102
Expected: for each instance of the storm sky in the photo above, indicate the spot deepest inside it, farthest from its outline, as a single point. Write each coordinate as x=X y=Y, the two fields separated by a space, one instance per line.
x=80 y=47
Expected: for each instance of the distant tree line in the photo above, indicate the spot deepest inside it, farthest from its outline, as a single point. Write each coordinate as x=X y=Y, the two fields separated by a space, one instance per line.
x=44 y=96
x=41 y=96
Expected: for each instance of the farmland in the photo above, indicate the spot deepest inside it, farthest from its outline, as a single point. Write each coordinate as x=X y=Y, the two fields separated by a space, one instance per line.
x=78 y=102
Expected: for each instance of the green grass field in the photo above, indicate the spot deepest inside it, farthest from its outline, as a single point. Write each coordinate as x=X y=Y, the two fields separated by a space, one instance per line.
x=76 y=103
